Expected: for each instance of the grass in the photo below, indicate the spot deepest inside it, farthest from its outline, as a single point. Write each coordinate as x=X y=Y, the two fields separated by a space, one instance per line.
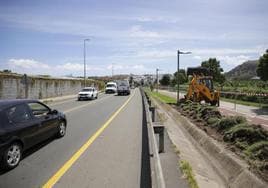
x=161 y=97
x=247 y=103
x=188 y=172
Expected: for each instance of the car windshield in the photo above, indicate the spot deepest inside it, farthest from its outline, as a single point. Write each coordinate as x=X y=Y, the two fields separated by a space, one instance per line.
x=110 y=85
x=87 y=89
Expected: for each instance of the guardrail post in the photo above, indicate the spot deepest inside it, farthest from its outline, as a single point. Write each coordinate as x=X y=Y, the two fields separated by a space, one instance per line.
x=149 y=102
x=152 y=109
x=159 y=129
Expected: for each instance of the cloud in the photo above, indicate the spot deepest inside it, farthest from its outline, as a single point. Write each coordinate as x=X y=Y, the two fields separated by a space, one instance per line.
x=27 y=64
x=228 y=51
x=156 y=54
x=125 y=67
x=234 y=60
x=71 y=67
x=33 y=67
x=138 y=31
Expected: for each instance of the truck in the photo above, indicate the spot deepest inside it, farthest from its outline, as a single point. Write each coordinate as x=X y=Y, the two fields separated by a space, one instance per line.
x=123 y=87
x=111 y=87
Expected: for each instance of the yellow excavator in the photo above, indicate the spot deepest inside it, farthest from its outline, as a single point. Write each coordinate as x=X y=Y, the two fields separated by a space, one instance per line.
x=201 y=87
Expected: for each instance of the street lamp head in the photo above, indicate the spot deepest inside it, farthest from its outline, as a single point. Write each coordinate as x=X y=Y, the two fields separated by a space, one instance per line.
x=86 y=39
x=179 y=52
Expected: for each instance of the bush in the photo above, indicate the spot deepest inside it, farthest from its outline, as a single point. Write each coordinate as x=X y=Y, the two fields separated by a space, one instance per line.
x=258 y=150
x=245 y=132
x=212 y=121
x=228 y=122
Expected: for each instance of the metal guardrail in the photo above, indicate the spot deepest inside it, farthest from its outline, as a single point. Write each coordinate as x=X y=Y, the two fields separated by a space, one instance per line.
x=156 y=168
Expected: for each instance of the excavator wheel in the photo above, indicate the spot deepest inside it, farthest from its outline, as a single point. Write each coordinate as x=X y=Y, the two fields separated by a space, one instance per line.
x=213 y=103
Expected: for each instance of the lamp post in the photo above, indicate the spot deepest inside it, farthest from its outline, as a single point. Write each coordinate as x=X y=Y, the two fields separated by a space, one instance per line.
x=178 y=68
x=85 y=61
x=157 y=69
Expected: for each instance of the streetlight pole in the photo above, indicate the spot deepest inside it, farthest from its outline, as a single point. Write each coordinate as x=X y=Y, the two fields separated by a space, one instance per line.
x=85 y=61
x=178 y=79
x=157 y=79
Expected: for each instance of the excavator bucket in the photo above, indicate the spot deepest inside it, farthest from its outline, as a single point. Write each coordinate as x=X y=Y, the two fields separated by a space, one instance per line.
x=197 y=71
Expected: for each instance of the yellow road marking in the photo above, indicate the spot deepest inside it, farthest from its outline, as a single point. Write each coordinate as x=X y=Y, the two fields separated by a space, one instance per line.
x=51 y=182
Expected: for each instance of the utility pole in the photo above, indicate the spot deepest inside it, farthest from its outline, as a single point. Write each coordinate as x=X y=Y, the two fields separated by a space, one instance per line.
x=178 y=78
x=112 y=70
x=157 y=79
x=85 y=61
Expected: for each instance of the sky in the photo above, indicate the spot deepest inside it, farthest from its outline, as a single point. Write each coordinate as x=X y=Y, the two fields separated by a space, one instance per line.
x=128 y=36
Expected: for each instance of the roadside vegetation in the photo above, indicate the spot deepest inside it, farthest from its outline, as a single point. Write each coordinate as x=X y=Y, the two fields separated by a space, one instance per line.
x=247 y=140
x=161 y=97
x=188 y=172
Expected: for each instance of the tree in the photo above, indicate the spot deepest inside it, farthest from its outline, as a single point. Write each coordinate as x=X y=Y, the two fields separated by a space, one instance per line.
x=214 y=68
x=182 y=77
x=165 y=81
x=6 y=71
x=262 y=69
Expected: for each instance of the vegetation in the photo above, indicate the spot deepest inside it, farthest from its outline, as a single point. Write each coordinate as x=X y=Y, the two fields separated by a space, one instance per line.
x=262 y=69
x=182 y=78
x=165 y=81
x=213 y=65
x=251 y=141
x=161 y=97
x=188 y=172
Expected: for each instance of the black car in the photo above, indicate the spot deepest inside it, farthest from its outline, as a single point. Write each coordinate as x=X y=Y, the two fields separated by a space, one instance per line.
x=23 y=124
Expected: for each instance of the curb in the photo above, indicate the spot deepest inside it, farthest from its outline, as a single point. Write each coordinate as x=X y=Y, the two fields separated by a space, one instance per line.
x=233 y=170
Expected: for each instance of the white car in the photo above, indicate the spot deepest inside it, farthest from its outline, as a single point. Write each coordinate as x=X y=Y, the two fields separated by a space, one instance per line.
x=111 y=87
x=88 y=93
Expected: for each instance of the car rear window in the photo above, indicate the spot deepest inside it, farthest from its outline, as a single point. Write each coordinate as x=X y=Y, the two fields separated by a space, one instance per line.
x=86 y=89
x=110 y=85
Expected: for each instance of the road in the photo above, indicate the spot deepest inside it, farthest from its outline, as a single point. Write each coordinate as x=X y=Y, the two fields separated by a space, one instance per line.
x=103 y=141
x=253 y=114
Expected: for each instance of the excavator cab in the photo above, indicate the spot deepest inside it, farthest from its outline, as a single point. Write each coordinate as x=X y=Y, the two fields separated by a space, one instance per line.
x=207 y=81
x=201 y=86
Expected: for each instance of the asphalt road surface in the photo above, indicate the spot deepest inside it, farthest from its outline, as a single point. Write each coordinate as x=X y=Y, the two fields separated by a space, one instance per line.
x=102 y=147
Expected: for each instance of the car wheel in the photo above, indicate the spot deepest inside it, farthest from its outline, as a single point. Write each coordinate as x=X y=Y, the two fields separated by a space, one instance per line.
x=61 y=129
x=12 y=156
x=96 y=96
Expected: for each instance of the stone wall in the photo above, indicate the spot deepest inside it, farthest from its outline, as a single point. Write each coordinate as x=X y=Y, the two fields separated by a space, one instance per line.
x=15 y=86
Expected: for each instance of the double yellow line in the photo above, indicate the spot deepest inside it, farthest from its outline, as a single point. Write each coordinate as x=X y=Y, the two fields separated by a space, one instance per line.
x=53 y=180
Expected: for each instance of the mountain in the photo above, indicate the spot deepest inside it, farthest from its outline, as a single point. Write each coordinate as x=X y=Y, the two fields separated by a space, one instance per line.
x=246 y=70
